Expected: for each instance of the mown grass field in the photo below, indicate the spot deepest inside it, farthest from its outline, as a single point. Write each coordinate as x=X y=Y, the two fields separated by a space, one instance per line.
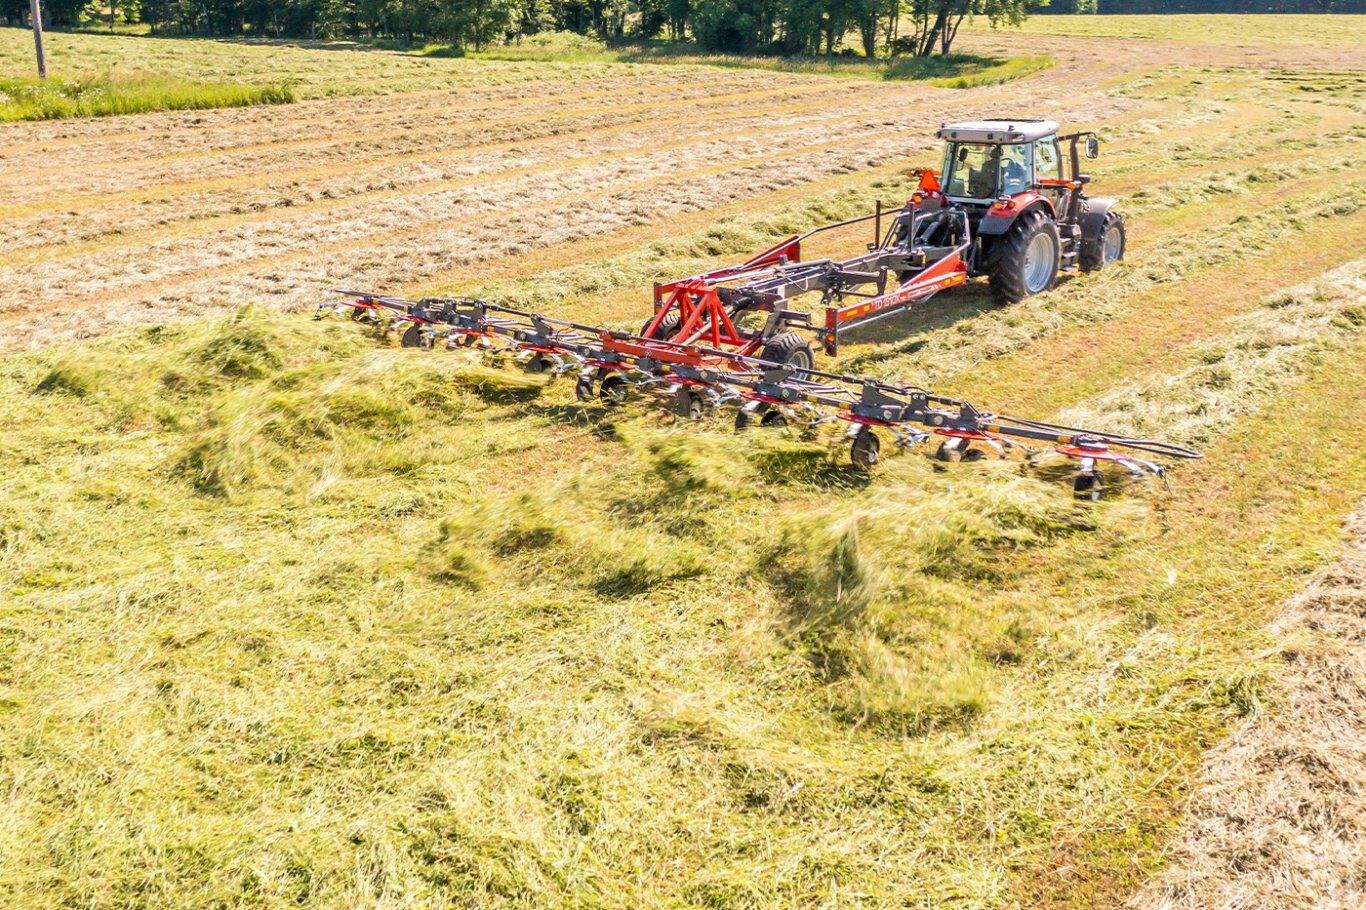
x=295 y=617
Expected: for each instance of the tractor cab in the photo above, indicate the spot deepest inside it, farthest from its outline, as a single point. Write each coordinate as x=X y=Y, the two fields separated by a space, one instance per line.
x=987 y=159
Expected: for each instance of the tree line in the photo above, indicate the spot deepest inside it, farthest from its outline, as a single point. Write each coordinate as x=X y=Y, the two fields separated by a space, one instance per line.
x=786 y=27
x=1157 y=7
x=779 y=27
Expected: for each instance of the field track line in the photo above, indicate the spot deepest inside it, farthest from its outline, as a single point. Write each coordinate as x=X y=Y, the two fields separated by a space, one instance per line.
x=623 y=240
x=282 y=115
x=163 y=190
x=425 y=131
x=196 y=226
x=252 y=118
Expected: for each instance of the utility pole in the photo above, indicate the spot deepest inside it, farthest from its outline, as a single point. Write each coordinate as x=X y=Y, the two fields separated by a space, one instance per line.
x=37 y=14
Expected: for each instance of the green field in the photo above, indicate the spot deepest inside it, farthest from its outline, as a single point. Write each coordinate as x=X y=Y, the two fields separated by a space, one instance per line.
x=293 y=616
x=58 y=99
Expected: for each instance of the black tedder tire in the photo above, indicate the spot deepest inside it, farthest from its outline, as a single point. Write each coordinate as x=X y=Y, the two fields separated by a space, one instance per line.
x=688 y=404
x=1090 y=485
x=864 y=452
x=667 y=329
x=766 y=416
x=1108 y=247
x=789 y=347
x=1025 y=261
x=538 y=363
x=612 y=389
x=412 y=338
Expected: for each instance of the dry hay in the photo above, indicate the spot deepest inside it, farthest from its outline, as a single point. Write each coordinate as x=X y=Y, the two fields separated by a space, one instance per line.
x=1279 y=820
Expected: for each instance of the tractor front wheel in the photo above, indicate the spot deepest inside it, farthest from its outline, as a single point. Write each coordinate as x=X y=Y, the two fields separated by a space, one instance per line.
x=1108 y=247
x=1025 y=261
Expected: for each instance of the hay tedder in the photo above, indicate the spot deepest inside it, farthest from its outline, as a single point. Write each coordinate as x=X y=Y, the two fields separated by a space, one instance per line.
x=727 y=338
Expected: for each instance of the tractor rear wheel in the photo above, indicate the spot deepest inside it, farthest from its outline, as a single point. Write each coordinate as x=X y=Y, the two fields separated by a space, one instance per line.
x=790 y=348
x=1025 y=261
x=1106 y=248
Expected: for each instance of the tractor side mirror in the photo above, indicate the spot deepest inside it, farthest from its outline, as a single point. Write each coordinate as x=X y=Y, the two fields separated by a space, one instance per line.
x=1092 y=147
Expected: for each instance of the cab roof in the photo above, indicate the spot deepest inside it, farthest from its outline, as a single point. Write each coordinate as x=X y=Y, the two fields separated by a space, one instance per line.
x=997 y=130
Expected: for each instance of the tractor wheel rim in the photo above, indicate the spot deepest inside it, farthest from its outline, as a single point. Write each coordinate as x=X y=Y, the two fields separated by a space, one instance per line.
x=1038 y=264
x=1113 y=244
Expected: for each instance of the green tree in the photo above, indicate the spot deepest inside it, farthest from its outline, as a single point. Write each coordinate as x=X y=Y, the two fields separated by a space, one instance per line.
x=935 y=23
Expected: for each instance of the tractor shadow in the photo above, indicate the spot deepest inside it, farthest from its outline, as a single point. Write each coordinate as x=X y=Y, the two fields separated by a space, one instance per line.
x=903 y=334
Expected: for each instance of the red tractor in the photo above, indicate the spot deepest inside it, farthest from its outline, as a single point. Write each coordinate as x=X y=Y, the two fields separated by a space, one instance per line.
x=1006 y=205
x=1026 y=203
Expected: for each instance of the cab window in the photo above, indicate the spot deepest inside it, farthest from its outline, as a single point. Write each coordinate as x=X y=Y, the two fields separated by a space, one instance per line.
x=1017 y=172
x=1047 y=160
x=972 y=170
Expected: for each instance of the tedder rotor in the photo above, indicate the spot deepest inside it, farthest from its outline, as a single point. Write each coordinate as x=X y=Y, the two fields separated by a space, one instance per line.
x=696 y=378
x=729 y=337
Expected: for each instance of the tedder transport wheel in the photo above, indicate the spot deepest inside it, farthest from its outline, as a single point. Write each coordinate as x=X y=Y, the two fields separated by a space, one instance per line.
x=1025 y=261
x=612 y=390
x=1107 y=248
x=864 y=451
x=789 y=347
x=412 y=338
x=667 y=329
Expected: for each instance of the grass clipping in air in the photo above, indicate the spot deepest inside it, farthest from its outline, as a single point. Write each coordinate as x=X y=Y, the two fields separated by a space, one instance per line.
x=103 y=96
